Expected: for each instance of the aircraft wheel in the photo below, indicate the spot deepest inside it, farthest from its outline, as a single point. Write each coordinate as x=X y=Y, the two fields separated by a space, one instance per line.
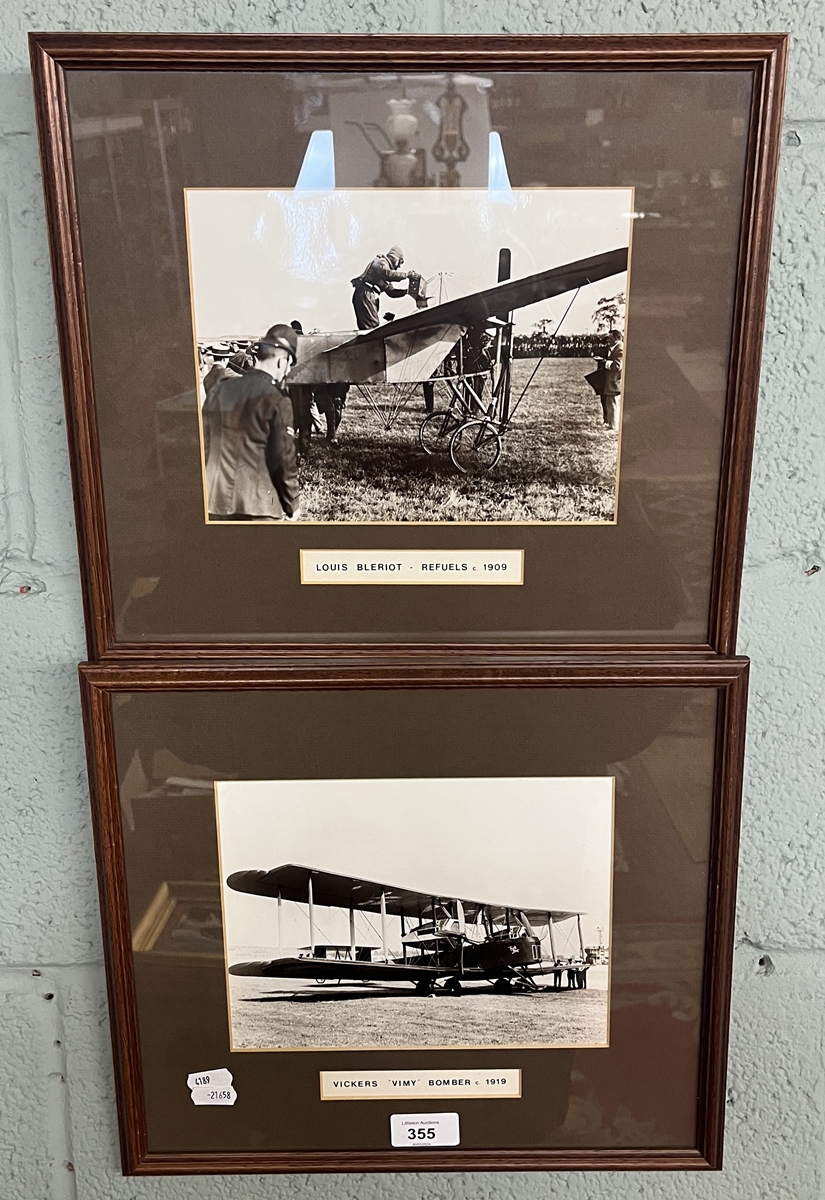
x=435 y=430
x=454 y=987
x=502 y=986
x=425 y=987
x=475 y=446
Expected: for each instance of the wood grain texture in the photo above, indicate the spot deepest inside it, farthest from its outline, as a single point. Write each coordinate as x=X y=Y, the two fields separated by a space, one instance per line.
x=746 y=345
x=728 y=676
x=52 y=112
x=350 y=51
x=53 y=53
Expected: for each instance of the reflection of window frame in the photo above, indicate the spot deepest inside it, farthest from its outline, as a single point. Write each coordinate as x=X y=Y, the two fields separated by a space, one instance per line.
x=169 y=899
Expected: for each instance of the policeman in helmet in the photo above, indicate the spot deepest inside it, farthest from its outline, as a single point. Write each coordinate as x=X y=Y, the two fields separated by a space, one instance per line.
x=249 y=437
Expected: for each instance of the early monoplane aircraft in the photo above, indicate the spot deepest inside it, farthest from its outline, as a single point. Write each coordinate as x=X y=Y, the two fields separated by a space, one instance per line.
x=389 y=363
x=443 y=938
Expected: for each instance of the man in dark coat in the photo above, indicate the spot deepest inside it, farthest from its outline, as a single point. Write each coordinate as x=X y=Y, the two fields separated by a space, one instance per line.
x=379 y=276
x=249 y=438
x=606 y=380
x=612 y=389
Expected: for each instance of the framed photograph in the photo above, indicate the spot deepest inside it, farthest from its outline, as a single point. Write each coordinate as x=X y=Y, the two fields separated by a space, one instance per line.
x=456 y=313
x=372 y=936
x=421 y=918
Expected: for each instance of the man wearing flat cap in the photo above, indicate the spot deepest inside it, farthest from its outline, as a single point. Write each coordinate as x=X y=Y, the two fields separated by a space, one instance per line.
x=378 y=277
x=249 y=437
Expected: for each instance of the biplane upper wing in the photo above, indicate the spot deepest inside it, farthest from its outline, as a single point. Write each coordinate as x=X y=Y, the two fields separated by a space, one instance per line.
x=291 y=882
x=505 y=297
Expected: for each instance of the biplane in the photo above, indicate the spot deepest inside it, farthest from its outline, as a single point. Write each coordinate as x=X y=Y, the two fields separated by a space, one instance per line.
x=389 y=363
x=446 y=941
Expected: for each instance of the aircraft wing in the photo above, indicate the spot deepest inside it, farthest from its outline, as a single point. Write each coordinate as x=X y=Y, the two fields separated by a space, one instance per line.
x=334 y=891
x=504 y=297
x=410 y=349
x=534 y=915
x=333 y=968
x=408 y=356
x=291 y=882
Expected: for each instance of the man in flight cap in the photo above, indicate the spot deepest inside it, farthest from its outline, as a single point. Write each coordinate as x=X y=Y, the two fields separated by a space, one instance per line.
x=249 y=437
x=379 y=276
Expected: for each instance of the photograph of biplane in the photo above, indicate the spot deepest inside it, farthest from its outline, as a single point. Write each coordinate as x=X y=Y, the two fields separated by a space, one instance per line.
x=362 y=913
x=458 y=356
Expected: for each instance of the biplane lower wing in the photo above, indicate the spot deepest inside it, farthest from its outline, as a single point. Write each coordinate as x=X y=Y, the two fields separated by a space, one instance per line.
x=351 y=971
x=326 y=968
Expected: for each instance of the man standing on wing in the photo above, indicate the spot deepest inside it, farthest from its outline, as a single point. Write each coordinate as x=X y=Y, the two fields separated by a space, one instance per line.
x=379 y=276
x=249 y=438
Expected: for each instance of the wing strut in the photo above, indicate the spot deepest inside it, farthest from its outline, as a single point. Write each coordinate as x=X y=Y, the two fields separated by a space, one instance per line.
x=550 y=931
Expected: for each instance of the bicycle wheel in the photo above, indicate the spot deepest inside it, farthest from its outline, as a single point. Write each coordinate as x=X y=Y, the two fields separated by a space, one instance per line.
x=436 y=429
x=475 y=446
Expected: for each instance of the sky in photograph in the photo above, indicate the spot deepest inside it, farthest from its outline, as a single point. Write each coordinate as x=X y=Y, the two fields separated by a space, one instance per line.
x=533 y=843
x=260 y=257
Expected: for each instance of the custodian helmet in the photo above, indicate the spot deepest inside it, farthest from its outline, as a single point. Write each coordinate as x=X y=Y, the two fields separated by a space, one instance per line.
x=282 y=336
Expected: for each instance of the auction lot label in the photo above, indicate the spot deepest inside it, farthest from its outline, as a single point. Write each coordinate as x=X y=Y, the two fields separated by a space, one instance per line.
x=411 y=1085
x=424 y=1129
x=450 y=567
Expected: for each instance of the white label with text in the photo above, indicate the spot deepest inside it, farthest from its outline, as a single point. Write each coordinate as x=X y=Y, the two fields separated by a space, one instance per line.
x=419 y=1130
x=211 y=1087
x=221 y=1078
x=451 y=1085
x=451 y=567
x=213 y=1095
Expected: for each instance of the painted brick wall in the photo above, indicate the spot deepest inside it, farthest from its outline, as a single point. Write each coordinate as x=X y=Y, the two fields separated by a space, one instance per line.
x=58 y=1137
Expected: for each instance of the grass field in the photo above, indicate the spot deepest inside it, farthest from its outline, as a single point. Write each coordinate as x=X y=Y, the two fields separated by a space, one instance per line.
x=558 y=461
x=269 y=1013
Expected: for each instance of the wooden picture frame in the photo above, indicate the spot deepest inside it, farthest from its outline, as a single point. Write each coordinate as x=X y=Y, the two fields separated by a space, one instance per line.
x=116 y=584
x=153 y=1008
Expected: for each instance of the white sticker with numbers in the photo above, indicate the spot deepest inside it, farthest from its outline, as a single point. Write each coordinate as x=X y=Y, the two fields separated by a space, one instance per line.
x=218 y=1079
x=424 y=1129
x=212 y=1095
x=211 y=1087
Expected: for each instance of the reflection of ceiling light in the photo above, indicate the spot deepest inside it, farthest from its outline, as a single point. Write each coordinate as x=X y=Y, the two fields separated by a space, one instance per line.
x=430 y=110
x=479 y=81
x=352 y=80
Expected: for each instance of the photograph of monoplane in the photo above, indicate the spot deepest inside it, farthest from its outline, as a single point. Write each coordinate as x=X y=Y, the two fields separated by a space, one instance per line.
x=387 y=913
x=422 y=355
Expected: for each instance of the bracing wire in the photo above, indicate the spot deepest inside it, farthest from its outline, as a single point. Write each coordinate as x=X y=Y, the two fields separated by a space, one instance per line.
x=541 y=360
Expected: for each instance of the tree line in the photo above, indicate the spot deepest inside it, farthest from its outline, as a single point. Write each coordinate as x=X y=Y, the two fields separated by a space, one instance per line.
x=575 y=345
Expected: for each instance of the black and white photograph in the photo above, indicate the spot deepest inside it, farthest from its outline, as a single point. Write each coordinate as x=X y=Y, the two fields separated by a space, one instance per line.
x=406 y=913
x=425 y=355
